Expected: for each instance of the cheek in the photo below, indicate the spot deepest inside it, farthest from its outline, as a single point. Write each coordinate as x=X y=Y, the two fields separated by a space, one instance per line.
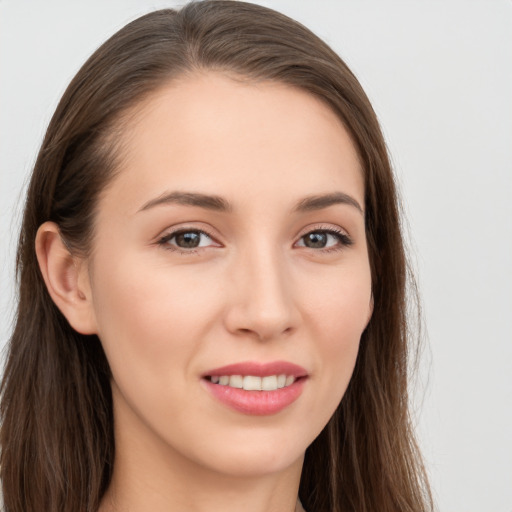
x=340 y=310
x=149 y=313
x=340 y=303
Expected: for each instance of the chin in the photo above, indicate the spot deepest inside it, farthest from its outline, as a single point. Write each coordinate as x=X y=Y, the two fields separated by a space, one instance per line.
x=253 y=458
x=256 y=464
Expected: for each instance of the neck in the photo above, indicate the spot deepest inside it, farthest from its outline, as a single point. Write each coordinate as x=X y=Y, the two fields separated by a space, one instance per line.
x=138 y=488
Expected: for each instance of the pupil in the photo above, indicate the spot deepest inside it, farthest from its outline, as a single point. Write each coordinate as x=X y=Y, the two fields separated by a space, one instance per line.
x=188 y=240
x=316 y=240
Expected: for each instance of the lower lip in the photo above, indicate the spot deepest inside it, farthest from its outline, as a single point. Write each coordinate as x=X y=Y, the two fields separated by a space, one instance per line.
x=258 y=403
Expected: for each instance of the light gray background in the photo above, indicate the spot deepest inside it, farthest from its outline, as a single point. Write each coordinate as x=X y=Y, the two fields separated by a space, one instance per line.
x=439 y=74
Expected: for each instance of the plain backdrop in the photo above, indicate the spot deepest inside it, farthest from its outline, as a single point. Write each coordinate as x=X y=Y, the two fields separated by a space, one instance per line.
x=439 y=74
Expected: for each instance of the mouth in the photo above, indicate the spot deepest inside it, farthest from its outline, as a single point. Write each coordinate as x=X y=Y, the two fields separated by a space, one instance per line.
x=255 y=388
x=253 y=382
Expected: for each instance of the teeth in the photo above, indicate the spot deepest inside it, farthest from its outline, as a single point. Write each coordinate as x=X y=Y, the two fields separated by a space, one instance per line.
x=253 y=383
x=269 y=383
x=236 y=381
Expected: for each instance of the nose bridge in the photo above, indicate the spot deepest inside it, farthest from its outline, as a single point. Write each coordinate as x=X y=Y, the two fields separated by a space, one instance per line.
x=263 y=302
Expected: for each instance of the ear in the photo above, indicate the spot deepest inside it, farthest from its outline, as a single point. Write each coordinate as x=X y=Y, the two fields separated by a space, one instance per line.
x=66 y=279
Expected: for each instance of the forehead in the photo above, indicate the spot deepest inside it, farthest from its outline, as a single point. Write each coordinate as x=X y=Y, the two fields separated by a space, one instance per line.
x=217 y=134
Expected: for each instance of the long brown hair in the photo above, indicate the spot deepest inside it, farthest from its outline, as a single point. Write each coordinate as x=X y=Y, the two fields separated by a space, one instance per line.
x=56 y=406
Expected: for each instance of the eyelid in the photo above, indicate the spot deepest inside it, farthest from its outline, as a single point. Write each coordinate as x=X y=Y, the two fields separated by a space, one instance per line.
x=170 y=233
x=188 y=226
x=334 y=228
x=345 y=240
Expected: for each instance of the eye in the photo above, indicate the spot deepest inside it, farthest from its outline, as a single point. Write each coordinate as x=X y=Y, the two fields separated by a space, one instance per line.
x=327 y=239
x=187 y=240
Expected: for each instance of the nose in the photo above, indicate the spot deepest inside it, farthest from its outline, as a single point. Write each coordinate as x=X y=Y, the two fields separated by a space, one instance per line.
x=262 y=303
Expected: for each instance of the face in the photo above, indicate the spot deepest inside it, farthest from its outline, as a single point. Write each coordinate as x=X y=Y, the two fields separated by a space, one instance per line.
x=230 y=251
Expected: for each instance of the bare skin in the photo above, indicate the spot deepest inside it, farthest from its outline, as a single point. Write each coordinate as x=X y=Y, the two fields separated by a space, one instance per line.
x=280 y=272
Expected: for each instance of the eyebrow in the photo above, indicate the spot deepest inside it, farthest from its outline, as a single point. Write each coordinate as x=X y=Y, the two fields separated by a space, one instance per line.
x=320 y=202
x=209 y=202
x=217 y=203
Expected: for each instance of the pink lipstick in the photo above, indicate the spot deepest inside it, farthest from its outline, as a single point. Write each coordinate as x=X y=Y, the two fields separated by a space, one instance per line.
x=256 y=388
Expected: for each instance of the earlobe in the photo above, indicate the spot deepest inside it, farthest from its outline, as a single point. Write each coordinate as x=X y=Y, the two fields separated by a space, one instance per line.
x=65 y=279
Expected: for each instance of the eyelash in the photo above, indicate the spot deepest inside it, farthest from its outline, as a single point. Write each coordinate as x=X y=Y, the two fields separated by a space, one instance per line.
x=164 y=241
x=343 y=240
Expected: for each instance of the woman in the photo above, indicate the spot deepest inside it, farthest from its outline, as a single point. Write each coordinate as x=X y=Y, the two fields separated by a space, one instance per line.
x=212 y=283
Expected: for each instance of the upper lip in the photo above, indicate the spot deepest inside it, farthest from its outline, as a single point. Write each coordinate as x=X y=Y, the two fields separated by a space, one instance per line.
x=258 y=369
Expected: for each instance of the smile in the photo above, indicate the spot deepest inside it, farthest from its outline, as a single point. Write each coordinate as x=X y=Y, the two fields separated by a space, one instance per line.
x=253 y=382
x=256 y=388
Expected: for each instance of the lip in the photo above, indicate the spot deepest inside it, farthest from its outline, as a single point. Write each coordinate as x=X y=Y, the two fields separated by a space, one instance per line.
x=258 y=369
x=257 y=403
